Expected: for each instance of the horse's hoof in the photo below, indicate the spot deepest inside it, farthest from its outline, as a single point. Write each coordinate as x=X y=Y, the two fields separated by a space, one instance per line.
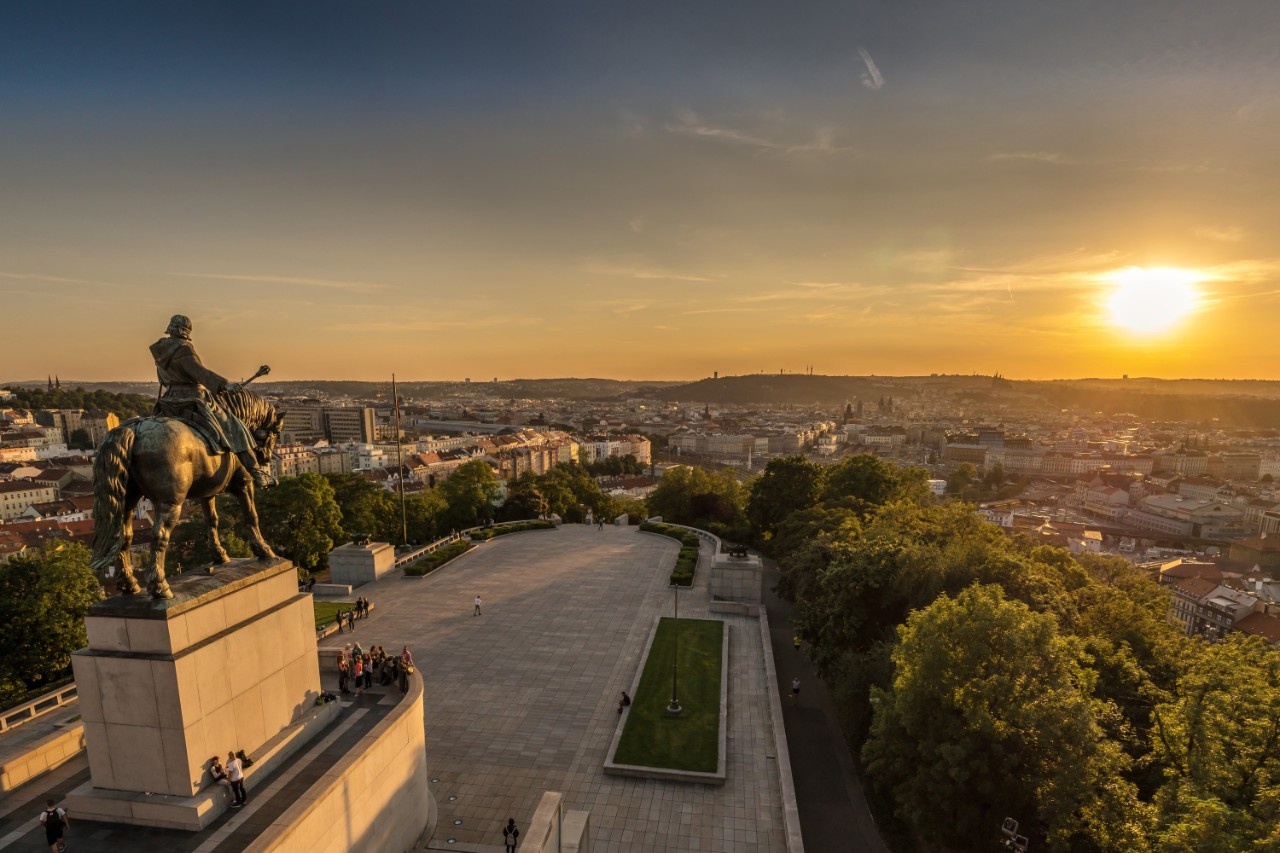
x=162 y=594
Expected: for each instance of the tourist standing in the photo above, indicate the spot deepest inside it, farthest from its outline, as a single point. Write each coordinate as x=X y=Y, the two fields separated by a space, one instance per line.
x=55 y=821
x=344 y=674
x=795 y=690
x=509 y=834
x=357 y=670
x=235 y=775
x=476 y=610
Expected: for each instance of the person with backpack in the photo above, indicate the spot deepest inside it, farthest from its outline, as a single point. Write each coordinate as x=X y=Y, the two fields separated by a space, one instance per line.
x=55 y=822
x=509 y=834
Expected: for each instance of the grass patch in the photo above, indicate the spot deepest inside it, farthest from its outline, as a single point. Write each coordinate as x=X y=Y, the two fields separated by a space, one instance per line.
x=687 y=560
x=327 y=611
x=690 y=741
x=437 y=558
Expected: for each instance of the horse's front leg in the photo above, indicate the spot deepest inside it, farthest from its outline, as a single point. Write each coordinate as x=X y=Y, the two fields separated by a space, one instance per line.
x=244 y=493
x=167 y=516
x=215 y=544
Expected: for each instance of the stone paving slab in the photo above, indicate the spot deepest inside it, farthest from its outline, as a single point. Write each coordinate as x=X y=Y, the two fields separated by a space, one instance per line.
x=523 y=699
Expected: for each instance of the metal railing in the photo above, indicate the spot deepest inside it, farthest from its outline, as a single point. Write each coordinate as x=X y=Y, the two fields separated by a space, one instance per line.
x=38 y=707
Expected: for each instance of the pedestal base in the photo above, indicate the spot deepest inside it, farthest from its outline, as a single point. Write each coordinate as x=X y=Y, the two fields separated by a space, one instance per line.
x=194 y=813
x=228 y=664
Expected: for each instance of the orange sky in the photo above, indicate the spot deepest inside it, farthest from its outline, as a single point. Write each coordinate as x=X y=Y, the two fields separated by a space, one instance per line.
x=443 y=193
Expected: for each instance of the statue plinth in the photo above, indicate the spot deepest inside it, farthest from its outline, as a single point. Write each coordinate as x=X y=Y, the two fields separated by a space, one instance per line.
x=228 y=663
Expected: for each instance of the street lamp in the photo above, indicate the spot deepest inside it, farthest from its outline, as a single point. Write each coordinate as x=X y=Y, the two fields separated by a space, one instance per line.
x=674 y=707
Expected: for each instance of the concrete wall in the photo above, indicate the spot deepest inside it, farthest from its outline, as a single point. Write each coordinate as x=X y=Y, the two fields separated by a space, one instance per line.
x=736 y=578
x=49 y=753
x=384 y=776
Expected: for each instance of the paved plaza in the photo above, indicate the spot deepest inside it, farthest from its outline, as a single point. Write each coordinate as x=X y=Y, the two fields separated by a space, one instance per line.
x=523 y=699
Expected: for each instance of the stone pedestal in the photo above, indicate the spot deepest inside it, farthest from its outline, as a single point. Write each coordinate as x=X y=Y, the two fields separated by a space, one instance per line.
x=361 y=564
x=229 y=663
x=736 y=578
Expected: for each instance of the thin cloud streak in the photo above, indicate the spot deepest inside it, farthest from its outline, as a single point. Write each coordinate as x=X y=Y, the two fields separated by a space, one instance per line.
x=301 y=281
x=823 y=140
x=54 y=279
x=643 y=272
x=871 y=78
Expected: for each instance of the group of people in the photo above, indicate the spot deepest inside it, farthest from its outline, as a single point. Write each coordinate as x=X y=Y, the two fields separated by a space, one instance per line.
x=347 y=618
x=356 y=668
x=232 y=775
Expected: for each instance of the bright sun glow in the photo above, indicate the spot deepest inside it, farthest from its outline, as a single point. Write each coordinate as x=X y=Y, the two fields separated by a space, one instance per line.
x=1148 y=301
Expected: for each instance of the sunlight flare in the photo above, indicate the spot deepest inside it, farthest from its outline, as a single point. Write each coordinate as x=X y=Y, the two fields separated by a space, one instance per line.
x=1151 y=300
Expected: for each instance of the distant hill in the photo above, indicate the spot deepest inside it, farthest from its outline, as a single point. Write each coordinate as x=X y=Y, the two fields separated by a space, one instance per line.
x=804 y=390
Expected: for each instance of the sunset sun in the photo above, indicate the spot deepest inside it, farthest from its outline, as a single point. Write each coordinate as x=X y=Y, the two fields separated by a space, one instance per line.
x=1149 y=301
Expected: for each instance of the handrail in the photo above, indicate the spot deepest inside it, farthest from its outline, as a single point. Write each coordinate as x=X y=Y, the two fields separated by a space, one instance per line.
x=457 y=536
x=37 y=707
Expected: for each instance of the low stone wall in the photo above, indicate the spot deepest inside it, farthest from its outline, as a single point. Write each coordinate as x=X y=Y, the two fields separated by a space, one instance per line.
x=555 y=830
x=53 y=751
x=384 y=773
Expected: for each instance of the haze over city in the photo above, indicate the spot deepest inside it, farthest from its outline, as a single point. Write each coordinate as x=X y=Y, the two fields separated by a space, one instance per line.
x=1040 y=189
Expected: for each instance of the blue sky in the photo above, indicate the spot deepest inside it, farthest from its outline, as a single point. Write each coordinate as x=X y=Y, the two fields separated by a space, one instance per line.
x=637 y=190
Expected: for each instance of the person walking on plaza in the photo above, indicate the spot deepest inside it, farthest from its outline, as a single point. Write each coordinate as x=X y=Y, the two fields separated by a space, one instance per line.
x=235 y=775
x=476 y=611
x=795 y=690
x=55 y=821
x=509 y=834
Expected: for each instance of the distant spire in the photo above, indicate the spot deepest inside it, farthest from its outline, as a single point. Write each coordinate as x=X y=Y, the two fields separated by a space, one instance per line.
x=50 y=383
x=57 y=383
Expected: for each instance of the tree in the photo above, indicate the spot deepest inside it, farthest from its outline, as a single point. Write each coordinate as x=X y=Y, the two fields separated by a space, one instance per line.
x=695 y=496
x=366 y=507
x=423 y=512
x=872 y=481
x=44 y=597
x=961 y=477
x=189 y=547
x=1219 y=741
x=524 y=499
x=301 y=519
x=788 y=484
x=80 y=440
x=469 y=494
x=990 y=716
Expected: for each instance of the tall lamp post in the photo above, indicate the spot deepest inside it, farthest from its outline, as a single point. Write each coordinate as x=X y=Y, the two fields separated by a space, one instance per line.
x=674 y=707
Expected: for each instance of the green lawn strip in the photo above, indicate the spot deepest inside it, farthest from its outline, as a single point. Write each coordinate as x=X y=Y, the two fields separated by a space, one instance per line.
x=438 y=558
x=691 y=740
x=327 y=611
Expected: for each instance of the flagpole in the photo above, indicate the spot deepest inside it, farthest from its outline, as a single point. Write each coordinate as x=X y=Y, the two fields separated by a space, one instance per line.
x=404 y=515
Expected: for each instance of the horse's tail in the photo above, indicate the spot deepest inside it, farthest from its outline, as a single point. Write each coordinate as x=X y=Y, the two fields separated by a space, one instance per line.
x=111 y=483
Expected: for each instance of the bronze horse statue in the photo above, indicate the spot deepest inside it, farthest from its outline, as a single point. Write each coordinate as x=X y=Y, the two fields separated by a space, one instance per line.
x=165 y=460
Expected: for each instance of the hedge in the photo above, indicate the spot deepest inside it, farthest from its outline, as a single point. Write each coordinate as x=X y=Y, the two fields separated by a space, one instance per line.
x=437 y=558
x=486 y=533
x=687 y=560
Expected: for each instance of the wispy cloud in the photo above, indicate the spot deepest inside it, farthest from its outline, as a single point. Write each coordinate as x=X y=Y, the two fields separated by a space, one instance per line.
x=1053 y=158
x=435 y=324
x=300 y=281
x=871 y=78
x=1222 y=235
x=823 y=141
x=643 y=271
x=54 y=279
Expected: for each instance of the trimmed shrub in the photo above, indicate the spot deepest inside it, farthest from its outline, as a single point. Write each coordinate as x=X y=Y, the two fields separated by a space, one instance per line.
x=687 y=559
x=437 y=558
x=487 y=533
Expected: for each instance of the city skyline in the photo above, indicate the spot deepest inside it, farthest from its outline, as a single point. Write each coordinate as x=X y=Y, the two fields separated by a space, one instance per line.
x=571 y=190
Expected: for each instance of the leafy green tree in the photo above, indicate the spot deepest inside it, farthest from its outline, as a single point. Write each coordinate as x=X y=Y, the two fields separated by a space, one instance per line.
x=570 y=490
x=1219 y=741
x=691 y=495
x=788 y=484
x=366 y=507
x=469 y=494
x=868 y=479
x=990 y=716
x=80 y=440
x=524 y=499
x=43 y=600
x=961 y=478
x=189 y=546
x=423 y=513
x=301 y=520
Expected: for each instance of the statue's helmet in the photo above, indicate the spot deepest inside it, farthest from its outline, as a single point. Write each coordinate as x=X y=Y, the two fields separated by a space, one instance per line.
x=180 y=325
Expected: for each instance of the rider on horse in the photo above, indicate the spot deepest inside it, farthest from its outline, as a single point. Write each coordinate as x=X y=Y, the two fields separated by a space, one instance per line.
x=190 y=392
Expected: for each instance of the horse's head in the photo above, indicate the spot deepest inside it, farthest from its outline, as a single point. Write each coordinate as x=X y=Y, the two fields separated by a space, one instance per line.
x=266 y=437
x=258 y=416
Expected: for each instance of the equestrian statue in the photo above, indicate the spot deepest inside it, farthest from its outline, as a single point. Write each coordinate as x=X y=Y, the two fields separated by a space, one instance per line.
x=207 y=436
